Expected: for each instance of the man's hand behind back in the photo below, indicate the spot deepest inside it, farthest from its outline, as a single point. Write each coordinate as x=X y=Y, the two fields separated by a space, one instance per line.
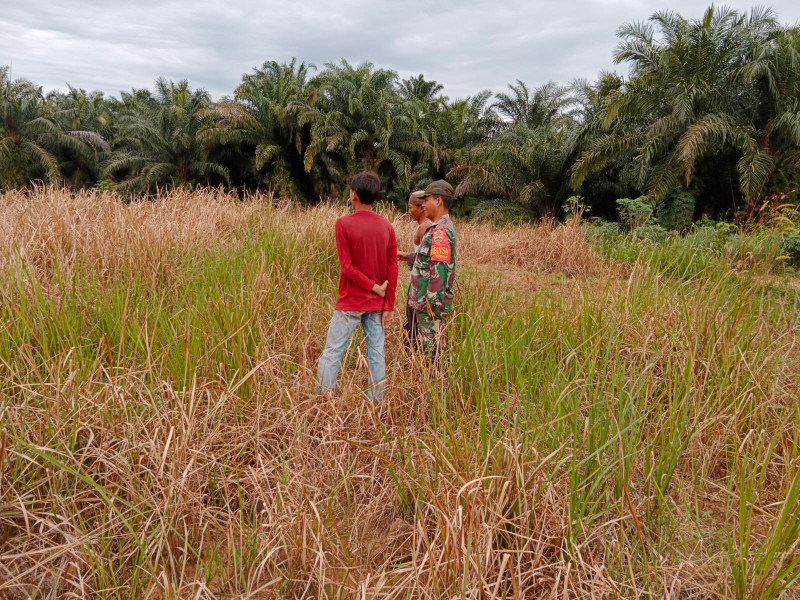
x=380 y=289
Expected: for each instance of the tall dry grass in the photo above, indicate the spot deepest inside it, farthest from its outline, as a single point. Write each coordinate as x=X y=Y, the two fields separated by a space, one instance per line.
x=632 y=438
x=45 y=227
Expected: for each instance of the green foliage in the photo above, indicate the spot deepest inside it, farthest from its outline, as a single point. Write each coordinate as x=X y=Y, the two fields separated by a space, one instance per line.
x=575 y=205
x=502 y=212
x=419 y=87
x=13 y=167
x=31 y=137
x=675 y=212
x=791 y=242
x=720 y=85
x=105 y=185
x=650 y=232
x=785 y=185
x=547 y=105
x=457 y=129
x=770 y=249
x=634 y=212
x=764 y=246
x=88 y=117
x=359 y=120
x=522 y=165
x=261 y=124
x=762 y=568
x=710 y=236
x=160 y=147
x=466 y=206
x=603 y=230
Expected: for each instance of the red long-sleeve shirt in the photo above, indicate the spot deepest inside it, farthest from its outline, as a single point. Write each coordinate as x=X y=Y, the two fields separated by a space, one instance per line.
x=367 y=250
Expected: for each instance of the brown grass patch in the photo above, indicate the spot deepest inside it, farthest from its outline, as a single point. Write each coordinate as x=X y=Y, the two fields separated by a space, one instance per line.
x=45 y=227
x=119 y=479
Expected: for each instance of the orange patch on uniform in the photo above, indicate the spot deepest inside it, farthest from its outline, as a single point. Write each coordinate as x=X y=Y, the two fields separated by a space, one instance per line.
x=440 y=246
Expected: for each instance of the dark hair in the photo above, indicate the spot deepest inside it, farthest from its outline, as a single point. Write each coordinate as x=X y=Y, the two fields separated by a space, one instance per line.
x=366 y=185
x=446 y=200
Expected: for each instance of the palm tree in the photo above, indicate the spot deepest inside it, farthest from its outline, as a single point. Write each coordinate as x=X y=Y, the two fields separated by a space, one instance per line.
x=357 y=117
x=419 y=87
x=30 y=138
x=775 y=73
x=615 y=179
x=80 y=110
x=523 y=170
x=88 y=117
x=262 y=121
x=546 y=105
x=522 y=160
x=455 y=129
x=159 y=139
x=589 y=97
x=685 y=101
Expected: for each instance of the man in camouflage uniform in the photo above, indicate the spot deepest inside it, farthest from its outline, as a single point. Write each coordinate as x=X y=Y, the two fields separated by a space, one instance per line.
x=434 y=269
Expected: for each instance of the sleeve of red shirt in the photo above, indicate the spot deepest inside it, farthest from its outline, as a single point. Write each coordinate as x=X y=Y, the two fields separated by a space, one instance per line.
x=391 y=260
x=349 y=270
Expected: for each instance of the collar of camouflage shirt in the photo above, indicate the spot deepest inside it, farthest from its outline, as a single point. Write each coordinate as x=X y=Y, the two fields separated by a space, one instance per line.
x=444 y=221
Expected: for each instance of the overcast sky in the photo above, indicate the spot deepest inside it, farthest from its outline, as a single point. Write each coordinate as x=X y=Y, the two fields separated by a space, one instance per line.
x=466 y=45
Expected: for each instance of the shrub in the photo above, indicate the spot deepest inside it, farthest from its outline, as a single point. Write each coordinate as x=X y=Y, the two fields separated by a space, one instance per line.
x=13 y=169
x=651 y=233
x=575 y=205
x=706 y=237
x=791 y=243
x=676 y=211
x=711 y=235
x=602 y=230
x=634 y=212
x=785 y=185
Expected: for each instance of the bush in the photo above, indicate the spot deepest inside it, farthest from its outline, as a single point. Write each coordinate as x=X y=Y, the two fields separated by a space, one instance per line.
x=634 y=212
x=785 y=185
x=791 y=243
x=711 y=236
x=13 y=169
x=651 y=233
x=575 y=205
x=676 y=211
x=602 y=230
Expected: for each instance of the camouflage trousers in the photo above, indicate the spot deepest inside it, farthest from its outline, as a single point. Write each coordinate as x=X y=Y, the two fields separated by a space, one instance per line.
x=426 y=332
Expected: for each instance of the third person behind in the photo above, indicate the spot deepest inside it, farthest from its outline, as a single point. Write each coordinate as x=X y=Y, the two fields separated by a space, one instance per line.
x=417 y=214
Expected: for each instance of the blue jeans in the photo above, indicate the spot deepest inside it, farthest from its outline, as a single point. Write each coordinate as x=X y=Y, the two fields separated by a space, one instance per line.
x=343 y=324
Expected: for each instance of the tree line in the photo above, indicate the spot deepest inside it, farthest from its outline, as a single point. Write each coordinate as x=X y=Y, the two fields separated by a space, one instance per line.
x=709 y=109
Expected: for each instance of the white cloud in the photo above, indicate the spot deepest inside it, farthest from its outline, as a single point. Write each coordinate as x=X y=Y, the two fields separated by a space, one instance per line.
x=467 y=46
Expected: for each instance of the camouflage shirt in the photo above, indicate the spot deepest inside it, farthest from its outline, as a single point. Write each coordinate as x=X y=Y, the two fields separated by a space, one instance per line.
x=434 y=271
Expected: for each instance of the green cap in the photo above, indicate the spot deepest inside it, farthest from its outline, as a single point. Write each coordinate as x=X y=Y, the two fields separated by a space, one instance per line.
x=439 y=188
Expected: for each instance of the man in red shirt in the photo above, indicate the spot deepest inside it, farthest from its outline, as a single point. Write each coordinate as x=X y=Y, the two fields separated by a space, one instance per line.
x=367 y=248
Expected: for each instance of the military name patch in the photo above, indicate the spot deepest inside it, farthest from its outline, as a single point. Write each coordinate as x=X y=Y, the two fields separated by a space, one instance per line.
x=440 y=246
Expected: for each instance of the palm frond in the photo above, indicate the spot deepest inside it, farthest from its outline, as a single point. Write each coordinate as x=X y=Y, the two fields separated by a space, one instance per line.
x=93 y=138
x=754 y=170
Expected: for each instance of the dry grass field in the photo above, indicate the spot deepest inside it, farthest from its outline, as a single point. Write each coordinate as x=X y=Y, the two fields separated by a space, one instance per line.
x=602 y=429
